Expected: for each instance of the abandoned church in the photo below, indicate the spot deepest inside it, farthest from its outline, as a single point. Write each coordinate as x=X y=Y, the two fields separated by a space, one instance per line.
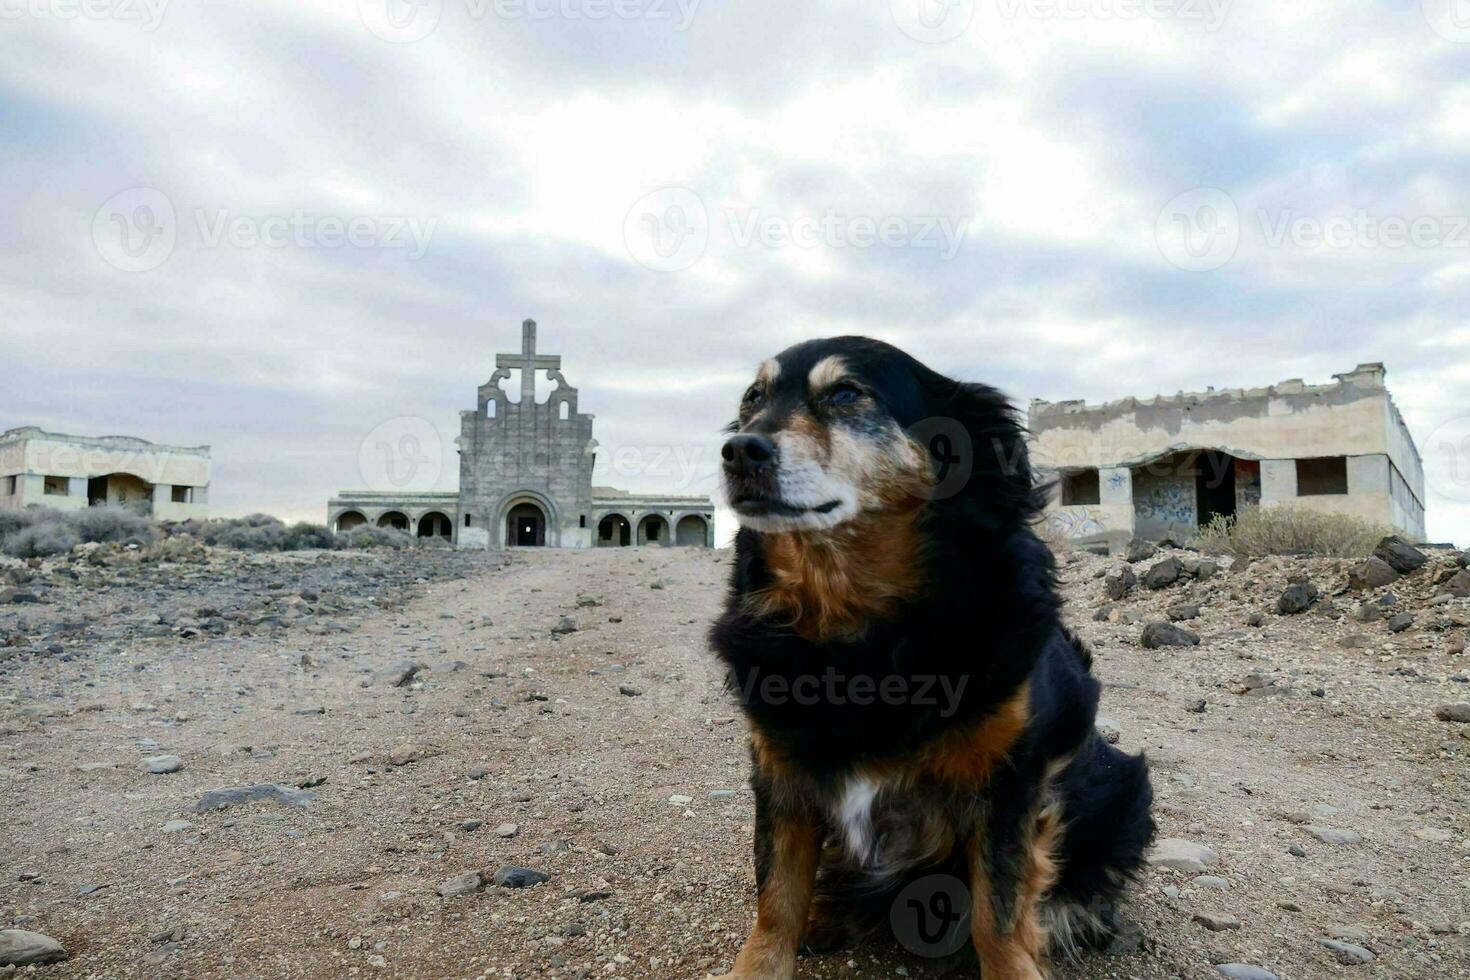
x=1163 y=467
x=525 y=478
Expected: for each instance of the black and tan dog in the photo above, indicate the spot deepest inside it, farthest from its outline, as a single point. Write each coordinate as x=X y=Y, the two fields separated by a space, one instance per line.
x=916 y=707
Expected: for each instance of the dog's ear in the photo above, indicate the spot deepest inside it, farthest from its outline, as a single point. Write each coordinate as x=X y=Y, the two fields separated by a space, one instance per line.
x=977 y=443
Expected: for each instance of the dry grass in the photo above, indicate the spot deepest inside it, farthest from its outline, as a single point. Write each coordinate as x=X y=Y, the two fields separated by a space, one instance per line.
x=1287 y=530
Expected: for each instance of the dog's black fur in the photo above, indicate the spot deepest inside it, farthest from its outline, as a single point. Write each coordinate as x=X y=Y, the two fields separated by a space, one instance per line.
x=985 y=620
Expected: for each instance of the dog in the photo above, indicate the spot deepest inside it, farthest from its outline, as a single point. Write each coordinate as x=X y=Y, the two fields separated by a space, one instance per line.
x=920 y=719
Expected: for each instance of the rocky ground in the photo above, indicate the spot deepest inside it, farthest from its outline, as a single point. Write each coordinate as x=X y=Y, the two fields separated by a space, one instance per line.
x=408 y=742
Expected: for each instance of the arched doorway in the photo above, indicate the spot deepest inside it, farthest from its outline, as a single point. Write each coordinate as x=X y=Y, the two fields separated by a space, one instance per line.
x=395 y=519
x=435 y=525
x=525 y=526
x=653 y=529
x=691 y=531
x=350 y=521
x=614 y=531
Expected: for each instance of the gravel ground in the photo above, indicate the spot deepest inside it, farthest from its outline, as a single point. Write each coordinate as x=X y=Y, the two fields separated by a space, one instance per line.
x=459 y=724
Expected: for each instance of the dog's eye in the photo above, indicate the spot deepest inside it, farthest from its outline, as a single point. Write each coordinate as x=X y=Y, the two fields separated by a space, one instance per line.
x=845 y=393
x=753 y=396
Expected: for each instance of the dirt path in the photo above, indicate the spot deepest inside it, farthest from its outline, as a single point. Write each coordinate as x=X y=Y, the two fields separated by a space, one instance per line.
x=580 y=740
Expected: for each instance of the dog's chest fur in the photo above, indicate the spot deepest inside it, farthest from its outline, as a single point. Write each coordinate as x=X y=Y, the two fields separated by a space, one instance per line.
x=888 y=828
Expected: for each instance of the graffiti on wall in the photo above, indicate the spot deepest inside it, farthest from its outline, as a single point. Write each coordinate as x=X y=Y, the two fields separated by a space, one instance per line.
x=1078 y=522
x=1164 y=499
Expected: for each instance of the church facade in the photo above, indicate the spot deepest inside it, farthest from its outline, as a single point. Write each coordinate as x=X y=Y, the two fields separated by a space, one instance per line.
x=525 y=478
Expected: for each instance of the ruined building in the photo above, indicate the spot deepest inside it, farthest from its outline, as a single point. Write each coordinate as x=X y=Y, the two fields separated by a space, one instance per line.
x=49 y=469
x=1162 y=467
x=525 y=478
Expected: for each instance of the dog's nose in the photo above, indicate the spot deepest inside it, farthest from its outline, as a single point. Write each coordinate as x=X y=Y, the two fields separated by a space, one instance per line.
x=748 y=453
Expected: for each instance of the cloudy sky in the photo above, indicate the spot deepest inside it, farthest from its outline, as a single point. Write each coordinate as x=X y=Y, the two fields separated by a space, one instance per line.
x=288 y=227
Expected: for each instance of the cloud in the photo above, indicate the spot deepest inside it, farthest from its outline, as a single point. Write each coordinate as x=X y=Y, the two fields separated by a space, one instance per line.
x=989 y=201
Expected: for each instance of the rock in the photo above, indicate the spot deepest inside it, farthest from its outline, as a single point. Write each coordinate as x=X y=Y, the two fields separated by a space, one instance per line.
x=1401 y=622
x=679 y=799
x=1212 y=881
x=1374 y=573
x=1244 y=971
x=1156 y=635
x=510 y=876
x=1140 y=550
x=1399 y=555
x=507 y=830
x=629 y=691
x=1216 y=922
x=1197 y=706
x=1297 y=598
x=1347 y=954
x=177 y=826
x=1459 y=586
x=1207 y=570
x=219 y=799
x=1183 y=611
x=19 y=947
x=402 y=755
x=1109 y=730
x=1163 y=574
x=1349 y=934
x=564 y=625
x=1332 y=835
x=471 y=825
x=1182 y=855
x=161 y=764
x=1120 y=584
x=478 y=774
x=1460 y=711
x=461 y=885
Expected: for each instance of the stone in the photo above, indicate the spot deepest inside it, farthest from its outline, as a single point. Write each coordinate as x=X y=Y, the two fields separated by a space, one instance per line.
x=461 y=885
x=1399 y=555
x=1212 y=881
x=20 y=947
x=400 y=674
x=1197 y=706
x=1140 y=550
x=1180 y=612
x=161 y=764
x=1163 y=574
x=1182 y=855
x=402 y=755
x=1156 y=635
x=1459 y=711
x=471 y=825
x=629 y=691
x=1348 y=954
x=1459 y=586
x=1401 y=622
x=1121 y=583
x=177 y=826
x=507 y=830
x=511 y=876
x=1332 y=835
x=1297 y=598
x=219 y=799
x=565 y=625
x=1244 y=971
x=1374 y=573
x=1216 y=922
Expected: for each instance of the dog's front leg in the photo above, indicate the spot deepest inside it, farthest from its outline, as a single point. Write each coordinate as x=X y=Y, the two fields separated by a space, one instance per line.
x=788 y=845
x=1012 y=867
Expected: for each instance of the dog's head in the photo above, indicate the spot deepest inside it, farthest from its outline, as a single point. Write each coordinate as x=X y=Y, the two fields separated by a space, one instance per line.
x=831 y=430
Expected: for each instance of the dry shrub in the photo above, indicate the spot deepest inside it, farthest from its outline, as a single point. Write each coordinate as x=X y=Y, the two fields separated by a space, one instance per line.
x=1285 y=530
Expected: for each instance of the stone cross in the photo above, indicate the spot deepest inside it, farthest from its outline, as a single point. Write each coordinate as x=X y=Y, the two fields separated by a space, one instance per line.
x=528 y=362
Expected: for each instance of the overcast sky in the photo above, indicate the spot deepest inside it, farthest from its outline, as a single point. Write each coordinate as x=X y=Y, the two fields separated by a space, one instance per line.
x=289 y=228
